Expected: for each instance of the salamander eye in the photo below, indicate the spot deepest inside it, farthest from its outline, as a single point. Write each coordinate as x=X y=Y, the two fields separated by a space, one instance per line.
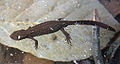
x=18 y=35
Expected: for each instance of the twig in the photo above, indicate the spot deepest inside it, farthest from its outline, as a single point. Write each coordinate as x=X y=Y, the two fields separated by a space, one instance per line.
x=114 y=38
x=96 y=42
x=110 y=52
x=112 y=47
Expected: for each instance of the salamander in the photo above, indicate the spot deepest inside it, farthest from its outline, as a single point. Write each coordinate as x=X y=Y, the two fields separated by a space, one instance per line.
x=49 y=27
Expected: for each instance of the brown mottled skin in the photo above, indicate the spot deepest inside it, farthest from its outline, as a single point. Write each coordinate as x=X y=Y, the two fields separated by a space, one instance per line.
x=51 y=27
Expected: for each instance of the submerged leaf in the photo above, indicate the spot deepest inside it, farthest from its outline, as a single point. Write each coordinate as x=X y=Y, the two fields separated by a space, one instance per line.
x=26 y=13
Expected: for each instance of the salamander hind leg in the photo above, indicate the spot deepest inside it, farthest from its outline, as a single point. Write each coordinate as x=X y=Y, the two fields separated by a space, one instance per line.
x=67 y=35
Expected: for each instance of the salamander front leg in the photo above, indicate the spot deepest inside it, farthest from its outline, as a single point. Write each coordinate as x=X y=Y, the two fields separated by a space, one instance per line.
x=68 y=38
x=36 y=42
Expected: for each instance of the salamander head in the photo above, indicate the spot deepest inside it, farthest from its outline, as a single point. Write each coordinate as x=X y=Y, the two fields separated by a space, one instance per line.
x=19 y=35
